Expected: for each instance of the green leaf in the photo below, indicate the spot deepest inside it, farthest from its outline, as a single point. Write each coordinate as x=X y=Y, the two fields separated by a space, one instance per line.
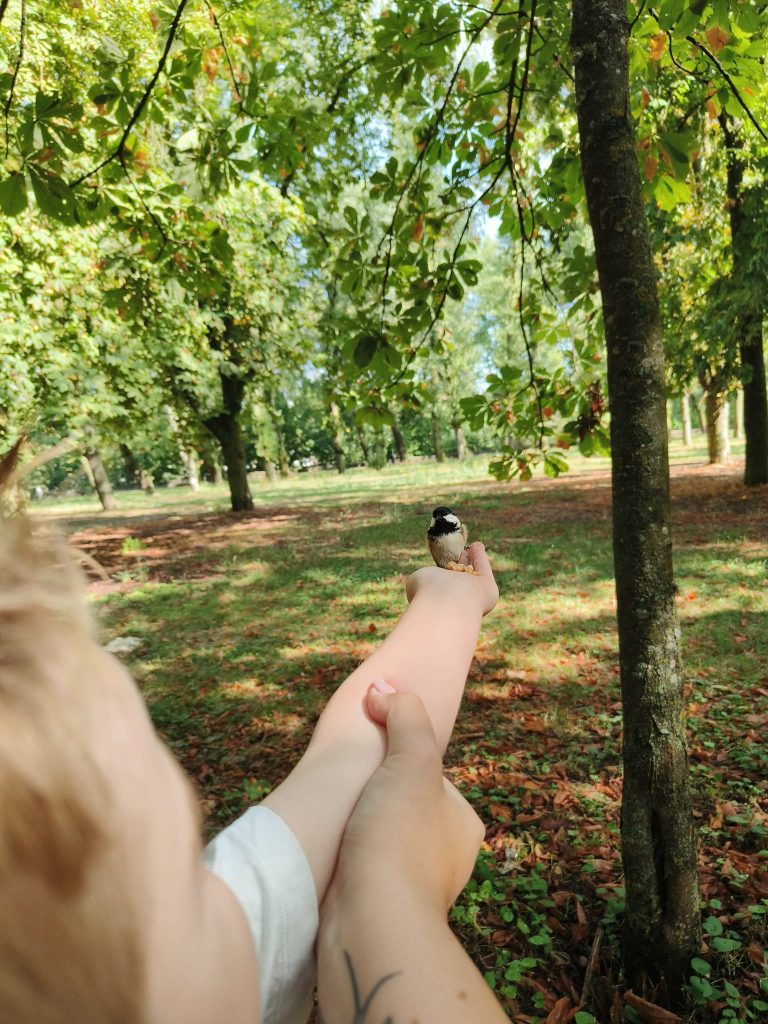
x=53 y=195
x=701 y=966
x=13 y=194
x=725 y=945
x=713 y=926
x=365 y=349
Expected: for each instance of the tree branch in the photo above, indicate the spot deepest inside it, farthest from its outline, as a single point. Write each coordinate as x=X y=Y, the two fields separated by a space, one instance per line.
x=118 y=151
x=731 y=84
x=3 y=5
x=16 y=68
x=432 y=131
x=144 y=204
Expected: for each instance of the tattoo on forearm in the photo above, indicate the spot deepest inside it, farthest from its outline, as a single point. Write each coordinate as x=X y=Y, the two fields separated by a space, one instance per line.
x=360 y=1015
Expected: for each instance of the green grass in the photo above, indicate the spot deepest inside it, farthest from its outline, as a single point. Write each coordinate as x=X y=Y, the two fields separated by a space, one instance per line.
x=249 y=623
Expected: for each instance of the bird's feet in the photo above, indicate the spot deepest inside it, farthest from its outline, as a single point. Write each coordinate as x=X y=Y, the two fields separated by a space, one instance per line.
x=460 y=567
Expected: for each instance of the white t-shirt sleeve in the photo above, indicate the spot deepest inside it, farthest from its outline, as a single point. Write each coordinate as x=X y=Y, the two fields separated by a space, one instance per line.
x=262 y=862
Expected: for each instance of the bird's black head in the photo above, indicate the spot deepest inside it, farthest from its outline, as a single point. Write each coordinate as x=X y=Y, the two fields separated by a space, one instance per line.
x=444 y=521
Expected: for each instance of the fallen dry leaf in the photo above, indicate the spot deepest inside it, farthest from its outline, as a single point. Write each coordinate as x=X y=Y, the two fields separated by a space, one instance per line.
x=650 y=1013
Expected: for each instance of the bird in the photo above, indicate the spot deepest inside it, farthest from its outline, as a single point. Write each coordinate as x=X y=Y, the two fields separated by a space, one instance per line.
x=447 y=539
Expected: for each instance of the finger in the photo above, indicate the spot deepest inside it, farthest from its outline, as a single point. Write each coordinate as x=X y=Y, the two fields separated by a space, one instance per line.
x=464 y=557
x=410 y=735
x=377 y=706
x=480 y=559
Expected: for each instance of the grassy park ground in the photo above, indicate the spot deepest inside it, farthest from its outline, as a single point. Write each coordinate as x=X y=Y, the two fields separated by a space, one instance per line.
x=247 y=623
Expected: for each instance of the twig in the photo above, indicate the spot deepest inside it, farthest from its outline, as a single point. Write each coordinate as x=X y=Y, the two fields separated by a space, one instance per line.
x=636 y=18
x=432 y=131
x=441 y=303
x=155 y=220
x=16 y=68
x=591 y=967
x=711 y=57
x=3 y=5
x=117 y=152
x=731 y=84
x=225 y=48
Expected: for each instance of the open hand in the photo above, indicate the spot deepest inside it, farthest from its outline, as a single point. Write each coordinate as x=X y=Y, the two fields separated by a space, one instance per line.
x=480 y=590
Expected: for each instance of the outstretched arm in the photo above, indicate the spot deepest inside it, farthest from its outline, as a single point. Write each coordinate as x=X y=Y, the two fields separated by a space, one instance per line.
x=427 y=653
x=385 y=951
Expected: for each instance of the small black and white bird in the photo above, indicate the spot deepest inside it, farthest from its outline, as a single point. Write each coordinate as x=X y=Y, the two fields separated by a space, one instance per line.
x=447 y=539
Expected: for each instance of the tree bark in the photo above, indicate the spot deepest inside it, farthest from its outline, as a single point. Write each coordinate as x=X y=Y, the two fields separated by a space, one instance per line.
x=461 y=444
x=661 y=929
x=132 y=468
x=437 y=440
x=283 y=462
x=225 y=427
x=718 y=446
x=336 y=437
x=685 y=411
x=363 y=444
x=716 y=417
x=700 y=414
x=186 y=455
x=749 y=319
x=98 y=473
x=399 y=442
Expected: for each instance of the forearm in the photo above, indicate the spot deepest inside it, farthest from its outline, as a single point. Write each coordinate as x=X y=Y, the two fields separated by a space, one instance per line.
x=429 y=653
x=386 y=957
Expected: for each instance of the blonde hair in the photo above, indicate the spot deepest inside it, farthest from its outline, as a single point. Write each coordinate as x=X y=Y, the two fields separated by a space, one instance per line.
x=69 y=950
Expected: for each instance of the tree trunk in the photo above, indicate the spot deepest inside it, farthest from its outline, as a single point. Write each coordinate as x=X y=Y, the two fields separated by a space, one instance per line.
x=399 y=442
x=271 y=470
x=132 y=468
x=716 y=406
x=363 y=444
x=749 y=319
x=191 y=466
x=225 y=427
x=186 y=455
x=700 y=414
x=146 y=482
x=437 y=441
x=685 y=411
x=283 y=462
x=336 y=438
x=739 y=427
x=661 y=929
x=461 y=444
x=98 y=474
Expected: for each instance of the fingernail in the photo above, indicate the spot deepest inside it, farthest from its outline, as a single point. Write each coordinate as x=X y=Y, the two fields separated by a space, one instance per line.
x=382 y=687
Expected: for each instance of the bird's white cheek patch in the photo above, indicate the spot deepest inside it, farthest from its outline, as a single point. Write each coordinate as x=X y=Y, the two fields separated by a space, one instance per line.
x=452 y=519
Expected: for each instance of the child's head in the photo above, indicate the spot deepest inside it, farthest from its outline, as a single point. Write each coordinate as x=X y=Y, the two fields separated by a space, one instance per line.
x=106 y=914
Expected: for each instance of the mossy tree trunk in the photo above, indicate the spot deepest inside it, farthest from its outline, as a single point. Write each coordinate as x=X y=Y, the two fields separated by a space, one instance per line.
x=225 y=427
x=749 y=319
x=661 y=928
